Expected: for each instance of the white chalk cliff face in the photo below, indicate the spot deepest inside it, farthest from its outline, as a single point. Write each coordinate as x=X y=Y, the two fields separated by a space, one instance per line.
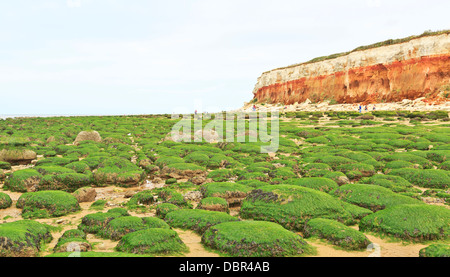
x=417 y=68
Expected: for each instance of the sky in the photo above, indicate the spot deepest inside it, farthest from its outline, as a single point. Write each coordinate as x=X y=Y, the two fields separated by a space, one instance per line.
x=115 y=57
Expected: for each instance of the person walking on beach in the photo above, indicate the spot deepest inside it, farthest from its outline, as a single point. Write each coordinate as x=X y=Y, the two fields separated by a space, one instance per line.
x=360 y=108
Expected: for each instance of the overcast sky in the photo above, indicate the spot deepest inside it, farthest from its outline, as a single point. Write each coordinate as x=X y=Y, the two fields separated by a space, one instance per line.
x=141 y=56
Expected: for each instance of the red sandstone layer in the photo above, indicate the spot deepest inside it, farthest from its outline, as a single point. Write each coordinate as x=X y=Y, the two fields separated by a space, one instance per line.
x=408 y=79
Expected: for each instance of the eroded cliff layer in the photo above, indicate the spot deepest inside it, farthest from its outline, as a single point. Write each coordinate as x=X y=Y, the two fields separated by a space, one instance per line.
x=409 y=70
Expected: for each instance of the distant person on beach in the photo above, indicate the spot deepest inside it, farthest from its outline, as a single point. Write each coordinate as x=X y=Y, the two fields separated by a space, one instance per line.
x=366 y=108
x=374 y=107
x=254 y=107
x=360 y=108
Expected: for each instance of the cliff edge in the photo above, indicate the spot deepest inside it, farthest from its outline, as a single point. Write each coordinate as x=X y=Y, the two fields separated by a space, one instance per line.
x=413 y=68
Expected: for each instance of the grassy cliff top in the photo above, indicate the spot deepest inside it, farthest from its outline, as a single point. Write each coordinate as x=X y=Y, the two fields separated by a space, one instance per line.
x=366 y=47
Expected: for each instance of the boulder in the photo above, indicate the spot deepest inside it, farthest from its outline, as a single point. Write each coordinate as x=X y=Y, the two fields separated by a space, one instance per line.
x=88 y=135
x=17 y=156
x=209 y=136
x=85 y=194
x=199 y=180
x=342 y=180
x=193 y=196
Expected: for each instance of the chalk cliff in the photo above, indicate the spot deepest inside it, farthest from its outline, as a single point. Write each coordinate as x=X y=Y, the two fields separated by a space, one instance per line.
x=416 y=68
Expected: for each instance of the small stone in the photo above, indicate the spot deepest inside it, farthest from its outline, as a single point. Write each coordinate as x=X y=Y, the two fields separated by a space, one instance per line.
x=193 y=196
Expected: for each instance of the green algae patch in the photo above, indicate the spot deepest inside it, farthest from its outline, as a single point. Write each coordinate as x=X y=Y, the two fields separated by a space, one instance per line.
x=5 y=201
x=23 y=238
x=44 y=204
x=155 y=241
x=214 y=204
x=372 y=197
x=291 y=206
x=410 y=222
x=436 y=250
x=164 y=208
x=336 y=233
x=255 y=239
x=197 y=220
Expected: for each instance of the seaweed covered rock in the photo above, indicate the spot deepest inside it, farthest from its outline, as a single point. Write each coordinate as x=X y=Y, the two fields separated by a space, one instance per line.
x=164 y=208
x=214 y=204
x=312 y=169
x=282 y=173
x=436 y=250
x=43 y=204
x=118 y=227
x=23 y=238
x=317 y=183
x=183 y=171
x=233 y=193
x=152 y=241
x=372 y=197
x=5 y=165
x=146 y=197
x=17 y=156
x=291 y=206
x=392 y=182
x=5 y=201
x=221 y=175
x=78 y=167
x=337 y=176
x=432 y=178
x=57 y=161
x=427 y=178
x=409 y=157
x=255 y=239
x=410 y=222
x=23 y=180
x=118 y=171
x=253 y=183
x=171 y=196
x=365 y=169
x=68 y=182
x=197 y=220
x=97 y=205
x=96 y=222
x=337 y=233
x=154 y=222
x=72 y=241
x=52 y=170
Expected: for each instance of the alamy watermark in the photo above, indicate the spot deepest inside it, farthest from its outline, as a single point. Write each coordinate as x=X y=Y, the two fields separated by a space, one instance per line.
x=375 y=249
x=229 y=127
x=75 y=249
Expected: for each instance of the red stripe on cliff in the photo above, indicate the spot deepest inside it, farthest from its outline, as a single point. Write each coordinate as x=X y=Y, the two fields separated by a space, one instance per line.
x=407 y=79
